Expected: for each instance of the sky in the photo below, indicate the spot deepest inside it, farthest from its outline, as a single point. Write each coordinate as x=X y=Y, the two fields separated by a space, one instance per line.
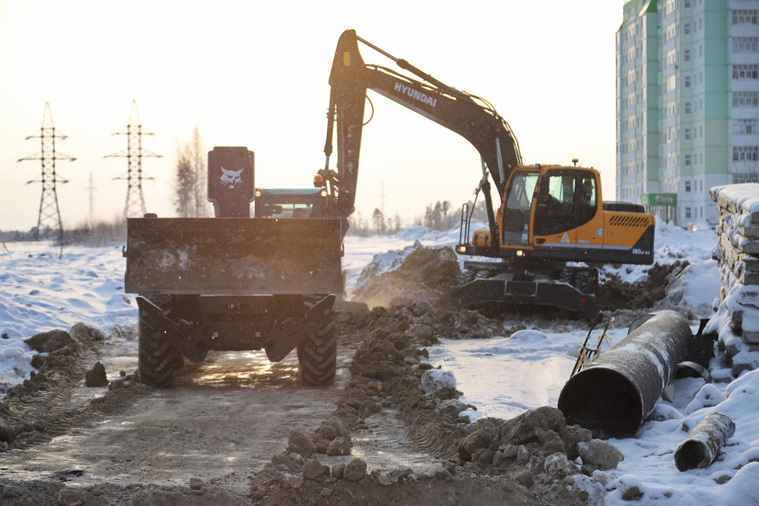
x=44 y=292
x=255 y=74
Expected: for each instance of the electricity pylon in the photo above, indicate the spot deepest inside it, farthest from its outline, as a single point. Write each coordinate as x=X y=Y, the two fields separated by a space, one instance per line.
x=49 y=218
x=135 y=200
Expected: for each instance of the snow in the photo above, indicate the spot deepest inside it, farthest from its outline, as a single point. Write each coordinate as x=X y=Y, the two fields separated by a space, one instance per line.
x=44 y=289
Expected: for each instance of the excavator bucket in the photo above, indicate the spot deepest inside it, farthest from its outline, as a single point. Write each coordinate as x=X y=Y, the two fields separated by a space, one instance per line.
x=233 y=256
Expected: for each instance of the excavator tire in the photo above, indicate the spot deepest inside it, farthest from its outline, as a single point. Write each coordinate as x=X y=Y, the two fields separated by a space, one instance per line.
x=317 y=356
x=157 y=360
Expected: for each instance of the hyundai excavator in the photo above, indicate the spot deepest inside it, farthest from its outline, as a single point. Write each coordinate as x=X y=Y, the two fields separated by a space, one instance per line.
x=551 y=224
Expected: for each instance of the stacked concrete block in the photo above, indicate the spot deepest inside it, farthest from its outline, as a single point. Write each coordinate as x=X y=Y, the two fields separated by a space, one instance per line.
x=738 y=255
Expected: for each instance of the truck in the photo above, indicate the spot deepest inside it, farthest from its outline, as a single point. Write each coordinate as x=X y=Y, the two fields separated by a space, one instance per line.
x=235 y=282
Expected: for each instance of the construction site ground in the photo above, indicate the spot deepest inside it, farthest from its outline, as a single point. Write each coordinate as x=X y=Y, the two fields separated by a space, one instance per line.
x=237 y=429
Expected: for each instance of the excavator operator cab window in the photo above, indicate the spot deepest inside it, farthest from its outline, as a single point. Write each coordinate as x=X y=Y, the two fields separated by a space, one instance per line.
x=566 y=200
x=516 y=215
x=587 y=200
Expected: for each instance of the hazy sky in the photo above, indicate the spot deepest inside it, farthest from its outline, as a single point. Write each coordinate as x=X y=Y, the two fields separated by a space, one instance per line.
x=255 y=74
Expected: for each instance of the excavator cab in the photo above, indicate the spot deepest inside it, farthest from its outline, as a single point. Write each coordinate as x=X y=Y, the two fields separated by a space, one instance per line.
x=556 y=213
x=543 y=205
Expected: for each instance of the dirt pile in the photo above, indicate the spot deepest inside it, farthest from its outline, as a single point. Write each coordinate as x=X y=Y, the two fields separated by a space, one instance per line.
x=615 y=294
x=420 y=274
x=533 y=459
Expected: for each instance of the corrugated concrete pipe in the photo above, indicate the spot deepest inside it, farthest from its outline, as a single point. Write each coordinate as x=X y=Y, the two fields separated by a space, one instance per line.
x=613 y=396
x=705 y=442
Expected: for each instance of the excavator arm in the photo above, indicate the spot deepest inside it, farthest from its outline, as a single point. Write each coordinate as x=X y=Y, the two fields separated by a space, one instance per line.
x=469 y=116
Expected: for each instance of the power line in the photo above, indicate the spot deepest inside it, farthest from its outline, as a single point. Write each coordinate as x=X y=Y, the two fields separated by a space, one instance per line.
x=135 y=199
x=49 y=215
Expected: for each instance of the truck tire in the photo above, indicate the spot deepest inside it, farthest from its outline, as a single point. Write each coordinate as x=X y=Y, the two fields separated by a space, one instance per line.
x=317 y=356
x=157 y=360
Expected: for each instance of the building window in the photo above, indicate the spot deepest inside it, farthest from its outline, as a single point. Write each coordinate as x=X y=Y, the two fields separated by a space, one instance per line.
x=745 y=17
x=745 y=71
x=687 y=213
x=687 y=107
x=686 y=4
x=686 y=29
x=742 y=177
x=686 y=55
x=746 y=99
x=745 y=153
x=687 y=164
x=687 y=134
x=687 y=81
x=745 y=126
x=745 y=44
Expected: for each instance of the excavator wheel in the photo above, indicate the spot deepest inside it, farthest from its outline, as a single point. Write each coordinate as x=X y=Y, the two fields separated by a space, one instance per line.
x=157 y=360
x=317 y=356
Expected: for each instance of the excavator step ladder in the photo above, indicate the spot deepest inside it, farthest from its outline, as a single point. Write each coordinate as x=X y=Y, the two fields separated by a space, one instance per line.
x=588 y=354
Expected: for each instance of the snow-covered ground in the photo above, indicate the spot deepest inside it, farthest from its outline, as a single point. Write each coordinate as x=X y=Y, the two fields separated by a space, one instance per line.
x=501 y=376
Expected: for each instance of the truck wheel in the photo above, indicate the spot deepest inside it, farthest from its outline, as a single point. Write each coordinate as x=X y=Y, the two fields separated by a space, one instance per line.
x=317 y=356
x=157 y=360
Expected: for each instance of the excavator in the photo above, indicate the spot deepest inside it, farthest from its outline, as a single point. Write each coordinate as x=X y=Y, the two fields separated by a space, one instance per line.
x=551 y=230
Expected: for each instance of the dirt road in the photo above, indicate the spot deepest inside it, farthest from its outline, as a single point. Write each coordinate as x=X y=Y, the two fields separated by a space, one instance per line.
x=221 y=422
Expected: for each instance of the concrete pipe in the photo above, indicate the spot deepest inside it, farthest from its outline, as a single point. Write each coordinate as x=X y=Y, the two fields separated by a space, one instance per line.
x=705 y=442
x=614 y=395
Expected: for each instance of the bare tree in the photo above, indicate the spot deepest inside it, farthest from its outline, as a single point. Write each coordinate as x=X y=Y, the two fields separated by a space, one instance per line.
x=379 y=221
x=191 y=178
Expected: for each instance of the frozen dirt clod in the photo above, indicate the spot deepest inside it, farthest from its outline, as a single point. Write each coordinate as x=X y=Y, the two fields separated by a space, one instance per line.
x=96 y=377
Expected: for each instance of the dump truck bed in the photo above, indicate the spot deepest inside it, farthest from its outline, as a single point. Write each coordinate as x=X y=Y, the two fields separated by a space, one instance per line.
x=233 y=256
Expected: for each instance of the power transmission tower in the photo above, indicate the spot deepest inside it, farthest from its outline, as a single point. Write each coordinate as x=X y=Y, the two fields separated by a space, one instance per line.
x=135 y=200
x=49 y=218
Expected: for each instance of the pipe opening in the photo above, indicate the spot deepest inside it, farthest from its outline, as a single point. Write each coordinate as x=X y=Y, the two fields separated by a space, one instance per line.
x=692 y=454
x=603 y=401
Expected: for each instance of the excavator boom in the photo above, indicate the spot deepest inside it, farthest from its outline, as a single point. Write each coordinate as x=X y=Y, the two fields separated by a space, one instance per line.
x=471 y=117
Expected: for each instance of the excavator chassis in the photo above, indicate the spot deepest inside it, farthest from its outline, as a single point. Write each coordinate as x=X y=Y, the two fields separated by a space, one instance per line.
x=498 y=285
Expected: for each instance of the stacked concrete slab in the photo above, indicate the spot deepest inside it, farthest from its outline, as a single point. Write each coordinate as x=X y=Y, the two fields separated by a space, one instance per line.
x=737 y=253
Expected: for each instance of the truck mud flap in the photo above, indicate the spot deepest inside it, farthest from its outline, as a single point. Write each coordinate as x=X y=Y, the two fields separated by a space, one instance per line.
x=184 y=336
x=292 y=332
x=233 y=256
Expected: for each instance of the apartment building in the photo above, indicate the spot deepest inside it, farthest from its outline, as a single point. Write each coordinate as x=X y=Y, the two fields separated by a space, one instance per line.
x=687 y=103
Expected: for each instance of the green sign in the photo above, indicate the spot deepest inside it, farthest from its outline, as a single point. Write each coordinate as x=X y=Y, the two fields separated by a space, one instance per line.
x=659 y=199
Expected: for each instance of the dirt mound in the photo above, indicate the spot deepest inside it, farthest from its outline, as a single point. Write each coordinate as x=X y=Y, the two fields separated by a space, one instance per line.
x=419 y=274
x=616 y=294
x=527 y=460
